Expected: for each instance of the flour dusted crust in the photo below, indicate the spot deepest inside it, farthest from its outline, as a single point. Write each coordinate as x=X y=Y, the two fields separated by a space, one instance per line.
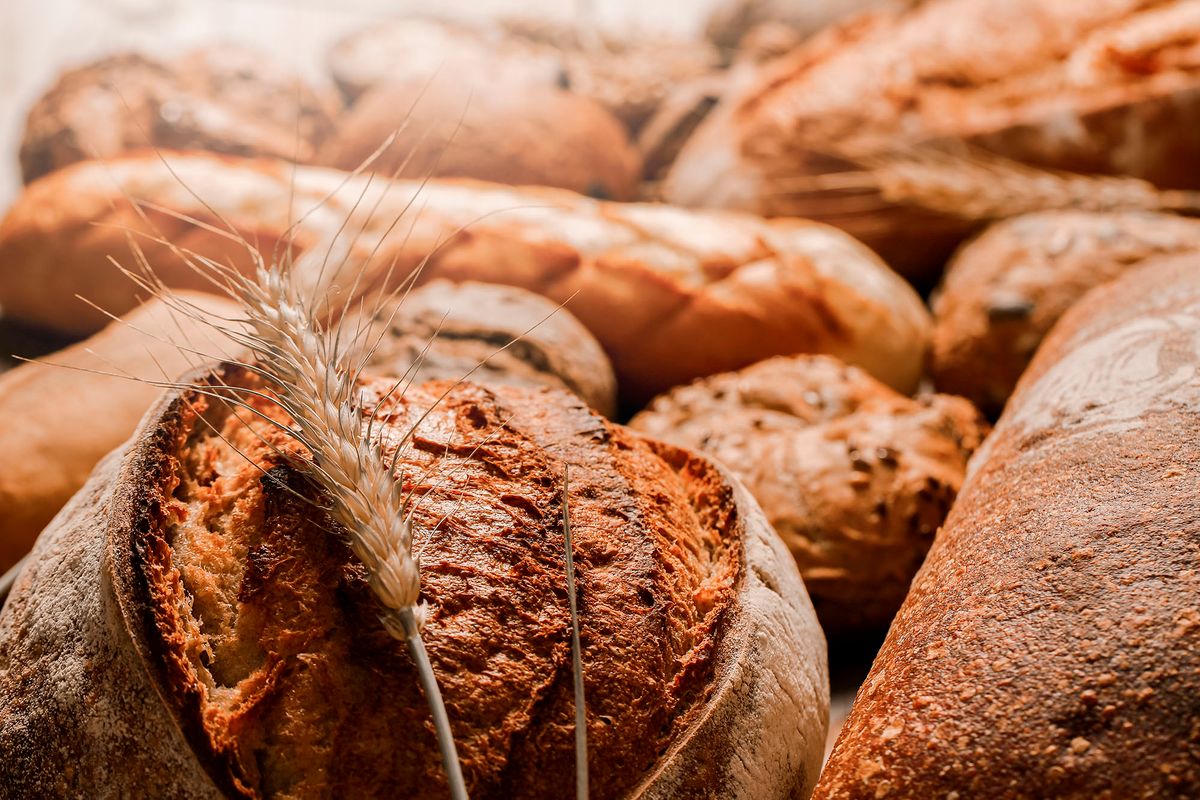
x=1108 y=86
x=1050 y=646
x=1004 y=291
x=203 y=596
x=226 y=99
x=490 y=334
x=670 y=294
x=856 y=478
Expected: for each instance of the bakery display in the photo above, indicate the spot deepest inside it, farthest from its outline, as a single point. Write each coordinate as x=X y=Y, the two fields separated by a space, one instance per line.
x=1048 y=646
x=670 y=294
x=451 y=125
x=855 y=478
x=1108 y=87
x=229 y=646
x=226 y=99
x=1005 y=290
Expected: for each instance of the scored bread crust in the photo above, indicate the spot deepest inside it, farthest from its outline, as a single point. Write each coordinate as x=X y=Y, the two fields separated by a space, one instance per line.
x=1110 y=86
x=84 y=638
x=670 y=294
x=1004 y=291
x=1050 y=646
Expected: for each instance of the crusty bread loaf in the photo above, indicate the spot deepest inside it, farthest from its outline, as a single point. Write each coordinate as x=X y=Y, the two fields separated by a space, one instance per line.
x=65 y=414
x=226 y=99
x=855 y=478
x=1004 y=291
x=1050 y=646
x=456 y=125
x=490 y=334
x=732 y=20
x=190 y=627
x=1111 y=86
x=627 y=75
x=670 y=294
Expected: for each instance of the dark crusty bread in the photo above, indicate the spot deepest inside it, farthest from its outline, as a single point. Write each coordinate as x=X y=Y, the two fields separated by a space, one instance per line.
x=854 y=477
x=1110 y=86
x=1004 y=291
x=670 y=294
x=490 y=334
x=189 y=627
x=1050 y=646
x=455 y=125
x=65 y=414
x=226 y=99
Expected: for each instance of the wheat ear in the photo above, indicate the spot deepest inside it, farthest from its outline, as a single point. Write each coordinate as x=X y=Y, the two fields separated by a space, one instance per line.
x=975 y=185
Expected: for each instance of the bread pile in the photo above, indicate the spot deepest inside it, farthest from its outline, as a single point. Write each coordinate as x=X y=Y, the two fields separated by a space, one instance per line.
x=805 y=262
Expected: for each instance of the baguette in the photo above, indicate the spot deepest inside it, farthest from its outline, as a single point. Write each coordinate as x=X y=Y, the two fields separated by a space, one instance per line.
x=670 y=294
x=1005 y=290
x=64 y=415
x=1050 y=646
x=190 y=628
x=1111 y=86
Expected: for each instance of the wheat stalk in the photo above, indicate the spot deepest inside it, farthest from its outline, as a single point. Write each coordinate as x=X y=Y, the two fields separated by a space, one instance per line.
x=975 y=185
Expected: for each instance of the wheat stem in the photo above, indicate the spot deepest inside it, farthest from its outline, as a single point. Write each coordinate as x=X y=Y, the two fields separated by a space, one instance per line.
x=581 y=758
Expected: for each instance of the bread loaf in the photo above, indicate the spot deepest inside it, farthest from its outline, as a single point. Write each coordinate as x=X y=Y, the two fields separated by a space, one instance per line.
x=472 y=126
x=1050 y=646
x=1111 y=86
x=190 y=627
x=1004 y=291
x=671 y=295
x=69 y=411
x=226 y=99
x=855 y=478
x=490 y=334
x=628 y=75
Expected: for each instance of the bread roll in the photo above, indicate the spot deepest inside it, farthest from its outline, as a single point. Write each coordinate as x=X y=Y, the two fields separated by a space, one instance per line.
x=1050 y=646
x=456 y=125
x=490 y=334
x=671 y=295
x=1111 y=86
x=68 y=411
x=226 y=99
x=1005 y=290
x=629 y=75
x=855 y=478
x=190 y=628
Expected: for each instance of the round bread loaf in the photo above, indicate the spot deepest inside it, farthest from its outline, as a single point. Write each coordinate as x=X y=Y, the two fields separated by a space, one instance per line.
x=1005 y=290
x=491 y=335
x=670 y=294
x=456 y=125
x=628 y=75
x=1050 y=646
x=191 y=626
x=1095 y=87
x=225 y=99
x=855 y=478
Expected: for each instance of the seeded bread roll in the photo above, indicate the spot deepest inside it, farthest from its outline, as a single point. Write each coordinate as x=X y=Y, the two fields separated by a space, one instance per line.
x=1005 y=290
x=491 y=334
x=225 y=99
x=68 y=412
x=456 y=125
x=227 y=643
x=1111 y=86
x=854 y=477
x=1050 y=646
x=670 y=294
